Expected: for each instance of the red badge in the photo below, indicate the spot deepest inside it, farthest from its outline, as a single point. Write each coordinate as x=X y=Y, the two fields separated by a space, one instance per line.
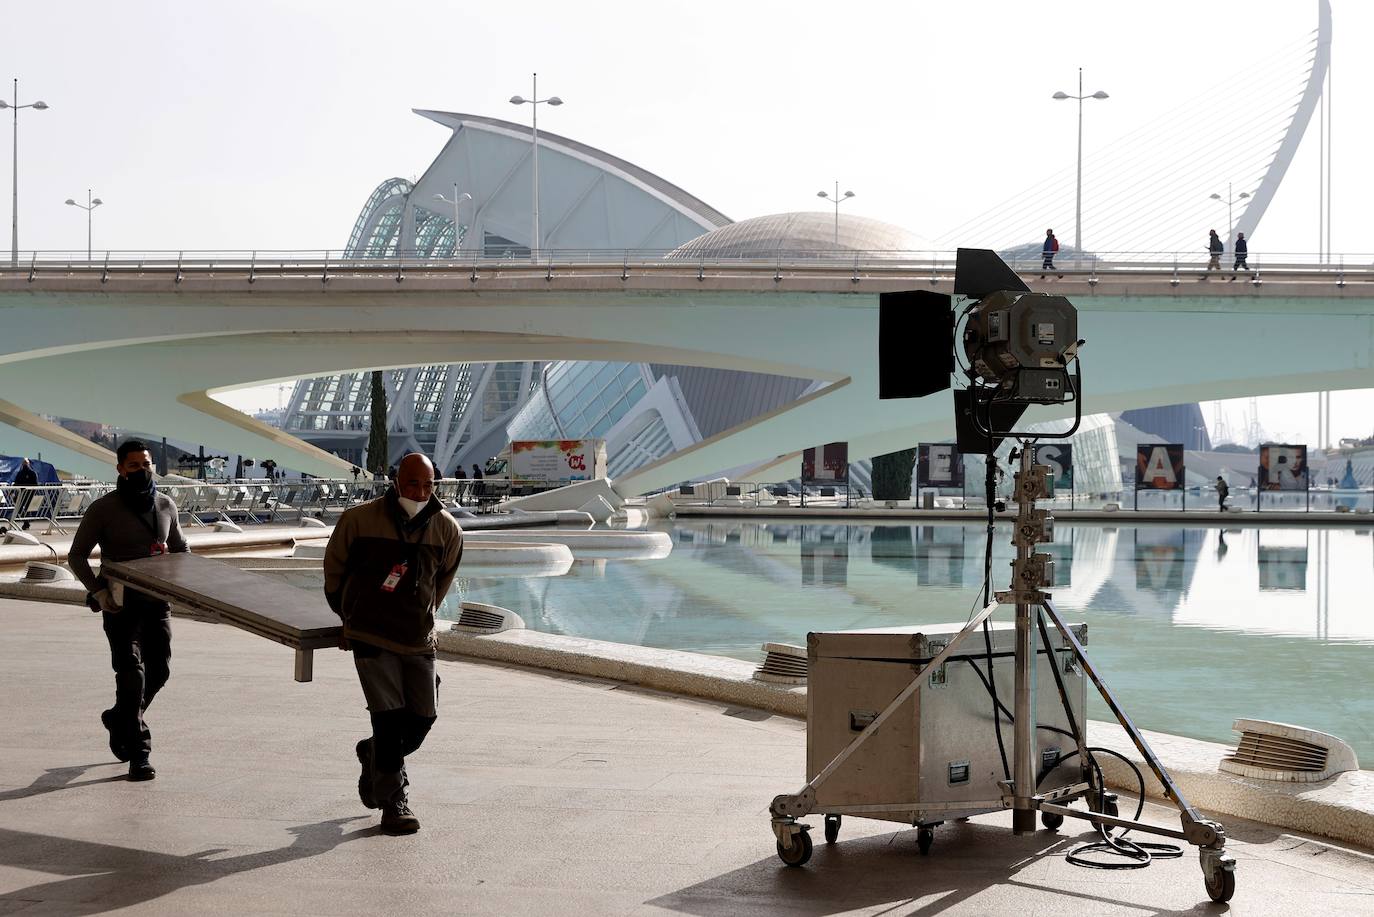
x=393 y=578
x=159 y=547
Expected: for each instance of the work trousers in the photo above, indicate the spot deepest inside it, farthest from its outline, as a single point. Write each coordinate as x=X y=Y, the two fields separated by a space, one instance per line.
x=402 y=693
x=140 y=638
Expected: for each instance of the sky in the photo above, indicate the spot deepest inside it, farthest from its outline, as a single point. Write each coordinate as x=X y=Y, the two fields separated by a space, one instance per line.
x=265 y=125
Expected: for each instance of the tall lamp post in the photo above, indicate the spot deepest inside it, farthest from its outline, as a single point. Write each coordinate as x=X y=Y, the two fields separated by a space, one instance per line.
x=14 y=205
x=1078 y=205
x=90 y=205
x=1228 y=200
x=838 y=199
x=457 y=226
x=534 y=103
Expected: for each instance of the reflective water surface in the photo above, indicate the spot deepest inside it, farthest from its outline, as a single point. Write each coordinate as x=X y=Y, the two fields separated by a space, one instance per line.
x=1192 y=626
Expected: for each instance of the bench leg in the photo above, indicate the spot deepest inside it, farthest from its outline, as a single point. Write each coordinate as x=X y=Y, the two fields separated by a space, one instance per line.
x=305 y=665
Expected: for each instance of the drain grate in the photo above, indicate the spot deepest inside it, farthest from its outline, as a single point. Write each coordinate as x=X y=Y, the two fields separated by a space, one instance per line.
x=783 y=663
x=1279 y=751
x=37 y=572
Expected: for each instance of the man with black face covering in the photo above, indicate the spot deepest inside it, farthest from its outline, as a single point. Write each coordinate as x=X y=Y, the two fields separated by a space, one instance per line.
x=388 y=566
x=133 y=521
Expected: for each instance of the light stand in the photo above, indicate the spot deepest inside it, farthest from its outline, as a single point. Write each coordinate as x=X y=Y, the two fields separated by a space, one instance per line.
x=1004 y=337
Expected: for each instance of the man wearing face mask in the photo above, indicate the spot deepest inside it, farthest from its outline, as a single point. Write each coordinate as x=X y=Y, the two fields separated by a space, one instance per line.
x=389 y=564
x=132 y=521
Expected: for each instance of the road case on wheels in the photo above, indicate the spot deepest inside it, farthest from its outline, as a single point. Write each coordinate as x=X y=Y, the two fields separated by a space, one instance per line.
x=937 y=756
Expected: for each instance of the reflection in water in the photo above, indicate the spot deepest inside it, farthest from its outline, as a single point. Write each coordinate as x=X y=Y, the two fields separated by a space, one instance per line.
x=1193 y=627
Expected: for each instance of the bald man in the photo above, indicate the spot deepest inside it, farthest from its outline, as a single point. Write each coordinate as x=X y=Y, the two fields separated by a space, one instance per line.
x=389 y=564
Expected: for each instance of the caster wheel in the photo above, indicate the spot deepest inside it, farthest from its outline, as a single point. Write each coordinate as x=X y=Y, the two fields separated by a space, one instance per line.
x=1223 y=888
x=1051 y=820
x=832 y=828
x=924 y=838
x=799 y=852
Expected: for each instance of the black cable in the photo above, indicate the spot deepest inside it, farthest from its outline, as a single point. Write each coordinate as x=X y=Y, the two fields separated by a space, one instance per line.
x=990 y=498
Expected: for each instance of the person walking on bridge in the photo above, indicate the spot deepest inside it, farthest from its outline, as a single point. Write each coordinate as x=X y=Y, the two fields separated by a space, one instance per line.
x=1242 y=252
x=388 y=566
x=132 y=521
x=1047 y=252
x=1214 y=249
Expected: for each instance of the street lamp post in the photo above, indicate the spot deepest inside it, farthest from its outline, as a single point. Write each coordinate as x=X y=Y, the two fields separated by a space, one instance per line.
x=90 y=205
x=1078 y=199
x=457 y=226
x=14 y=205
x=1228 y=200
x=838 y=199
x=534 y=103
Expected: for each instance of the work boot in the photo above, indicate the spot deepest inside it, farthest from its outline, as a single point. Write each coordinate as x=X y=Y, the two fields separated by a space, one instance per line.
x=116 y=745
x=398 y=819
x=141 y=769
x=364 y=751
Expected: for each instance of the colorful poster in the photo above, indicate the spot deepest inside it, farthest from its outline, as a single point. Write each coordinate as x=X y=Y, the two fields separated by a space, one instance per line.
x=557 y=461
x=1159 y=466
x=1059 y=456
x=1283 y=467
x=939 y=465
x=828 y=464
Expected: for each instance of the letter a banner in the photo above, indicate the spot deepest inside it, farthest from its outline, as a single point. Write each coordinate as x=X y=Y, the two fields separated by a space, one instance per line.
x=1159 y=466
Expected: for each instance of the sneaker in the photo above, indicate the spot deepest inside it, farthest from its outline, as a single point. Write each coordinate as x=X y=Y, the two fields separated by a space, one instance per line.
x=398 y=819
x=140 y=769
x=116 y=746
x=364 y=752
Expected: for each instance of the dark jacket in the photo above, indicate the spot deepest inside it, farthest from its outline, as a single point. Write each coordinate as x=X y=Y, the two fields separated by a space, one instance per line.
x=1215 y=245
x=1051 y=245
x=370 y=542
x=26 y=477
x=122 y=534
x=1241 y=247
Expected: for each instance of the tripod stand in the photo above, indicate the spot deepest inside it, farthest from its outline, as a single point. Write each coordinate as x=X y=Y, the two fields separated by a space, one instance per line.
x=1031 y=573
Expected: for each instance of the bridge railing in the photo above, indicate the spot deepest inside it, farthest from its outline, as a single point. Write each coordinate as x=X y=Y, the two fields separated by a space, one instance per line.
x=317 y=263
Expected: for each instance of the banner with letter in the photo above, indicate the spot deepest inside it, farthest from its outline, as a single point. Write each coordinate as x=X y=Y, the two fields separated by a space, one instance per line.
x=939 y=465
x=1159 y=466
x=557 y=461
x=1283 y=466
x=1059 y=456
x=828 y=464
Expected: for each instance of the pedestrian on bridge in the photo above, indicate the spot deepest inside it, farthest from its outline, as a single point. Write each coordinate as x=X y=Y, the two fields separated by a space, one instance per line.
x=1214 y=247
x=1047 y=252
x=1242 y=252
x=132 y=521
x=387 y=568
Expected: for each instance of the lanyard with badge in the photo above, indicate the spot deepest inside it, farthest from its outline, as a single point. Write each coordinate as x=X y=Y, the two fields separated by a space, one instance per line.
x=158 y=546
x=398 y=570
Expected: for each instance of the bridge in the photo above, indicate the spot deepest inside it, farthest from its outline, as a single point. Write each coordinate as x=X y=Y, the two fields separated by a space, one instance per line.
x=143 y=341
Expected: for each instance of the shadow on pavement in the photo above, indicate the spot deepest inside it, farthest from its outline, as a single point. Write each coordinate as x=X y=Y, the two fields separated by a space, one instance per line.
x=105 y=877
x=59 y=778
x=884 y=874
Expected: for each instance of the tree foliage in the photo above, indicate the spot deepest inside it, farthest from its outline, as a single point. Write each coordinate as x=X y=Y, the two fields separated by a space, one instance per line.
x=892 y=475
x=377 y=447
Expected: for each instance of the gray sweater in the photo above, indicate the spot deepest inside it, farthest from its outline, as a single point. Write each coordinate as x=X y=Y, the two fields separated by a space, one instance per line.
x=122 y=535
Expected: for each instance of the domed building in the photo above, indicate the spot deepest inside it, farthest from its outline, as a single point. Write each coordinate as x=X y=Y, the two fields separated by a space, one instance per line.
x=800 y=235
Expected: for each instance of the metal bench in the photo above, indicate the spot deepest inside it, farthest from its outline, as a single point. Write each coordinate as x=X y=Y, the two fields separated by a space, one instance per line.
x=253 y=602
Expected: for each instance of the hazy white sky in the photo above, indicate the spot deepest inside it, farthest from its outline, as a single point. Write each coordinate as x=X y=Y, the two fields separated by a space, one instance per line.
x=266 y=125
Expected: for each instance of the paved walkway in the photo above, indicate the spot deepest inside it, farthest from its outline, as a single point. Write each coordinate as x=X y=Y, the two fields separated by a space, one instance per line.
x=540 y=794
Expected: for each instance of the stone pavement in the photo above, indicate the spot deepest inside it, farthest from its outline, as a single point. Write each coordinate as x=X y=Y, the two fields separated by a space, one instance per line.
x=539 y=794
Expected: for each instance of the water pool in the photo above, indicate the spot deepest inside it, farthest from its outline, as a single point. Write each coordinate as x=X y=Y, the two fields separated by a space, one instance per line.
x=1192 y=626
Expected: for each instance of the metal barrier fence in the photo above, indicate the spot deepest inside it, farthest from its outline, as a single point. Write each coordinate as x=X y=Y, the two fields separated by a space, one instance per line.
x=58 y=506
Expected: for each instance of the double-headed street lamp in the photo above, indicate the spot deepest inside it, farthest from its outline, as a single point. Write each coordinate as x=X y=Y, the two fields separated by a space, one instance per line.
x=838 y=199
x=14 y=205
x=1229 y=201
x=1078 y=205
x=90 y=205
x=457 y=226
x=534 y=103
